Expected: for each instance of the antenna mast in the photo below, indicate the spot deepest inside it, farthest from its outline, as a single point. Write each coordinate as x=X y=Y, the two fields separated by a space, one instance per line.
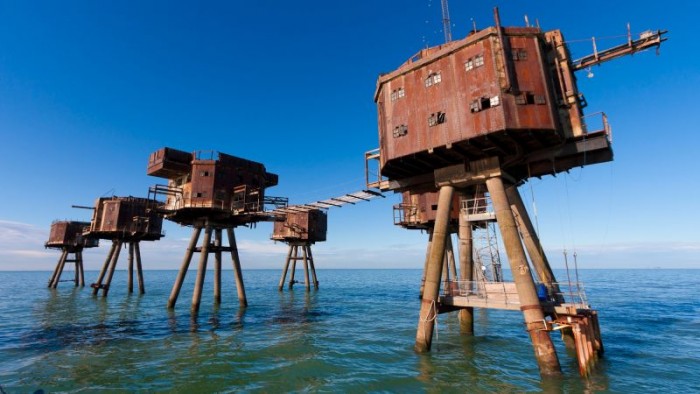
x=446 y=21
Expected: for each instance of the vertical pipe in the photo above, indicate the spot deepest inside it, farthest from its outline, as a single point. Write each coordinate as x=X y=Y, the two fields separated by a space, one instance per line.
x=466 y=268
x=130 y=286
x=139 y=269
x=532 y=310
x=431 y=291
x=295 y=256
x=217 y=266
x=313 y=266
x=112 y=267
x=201 y=270
x=307 y=283
x=425 y=264
x=175 y=292
x=96 y=286
x=82 y=269
x=242 y=300
x=285 y=269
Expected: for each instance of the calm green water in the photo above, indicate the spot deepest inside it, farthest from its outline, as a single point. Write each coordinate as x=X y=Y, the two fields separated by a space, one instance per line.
x=353 y=335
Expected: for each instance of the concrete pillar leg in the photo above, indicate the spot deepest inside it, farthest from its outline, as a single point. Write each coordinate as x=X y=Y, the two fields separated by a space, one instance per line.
x=530 y=238
x=112 y=267
x=431 y=291
x=55 y=271
x=175 y=292
x=313 y=266
x=59 y=270
x=201 y=270
x=295 y=256
x=425 y=264
x=242 y=300
x=130 y=285
x=82 y=268
x=139 y=269
x=217 y=266
x=286 y=268
x=532 y=311
x=96 y=286
x=466 y=268
x=307 y=282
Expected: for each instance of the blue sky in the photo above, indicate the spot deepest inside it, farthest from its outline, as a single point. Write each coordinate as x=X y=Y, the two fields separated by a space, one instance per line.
x=88 y=89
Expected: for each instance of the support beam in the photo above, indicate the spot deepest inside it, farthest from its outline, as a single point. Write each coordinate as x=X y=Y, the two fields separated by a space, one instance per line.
x=112 y=267
x=242 y=300
x=79 y=257
x=530 y=238
x=130 y=286
x=295 y=257
x=431 y=290
x=139 y=269
x=217 y=266
x=313 y=266
x=201 y=270
x=425 y=264
x=545 y=352
x=286 y=268
x=103 y=271
x=466 y=266
x=183 y=268
x=307 y=282
x=56 y=277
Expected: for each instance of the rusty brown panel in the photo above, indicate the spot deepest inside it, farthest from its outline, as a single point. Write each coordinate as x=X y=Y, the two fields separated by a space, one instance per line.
x=308 y=226
x=168 y=163
x=202 y=183
x=110 y=215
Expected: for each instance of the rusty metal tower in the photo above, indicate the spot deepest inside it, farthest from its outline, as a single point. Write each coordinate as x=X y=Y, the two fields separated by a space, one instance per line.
x=68 y=237
x=494 y=109
x=211 y=191
x=302 y=225
x=124 y=221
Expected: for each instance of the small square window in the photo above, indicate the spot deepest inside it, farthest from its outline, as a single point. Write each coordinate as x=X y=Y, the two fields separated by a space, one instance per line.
x=479 y=61
x=393 y=95
x=437 y=78
x=469 y=65
x=474 y=106
x=495 y=101
x=429 y=81
x=401 y=93
x=539 y=99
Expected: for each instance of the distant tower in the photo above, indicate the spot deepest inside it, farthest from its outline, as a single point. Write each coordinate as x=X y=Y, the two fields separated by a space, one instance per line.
x=68 y=237
x=494 y=109
x=123 y=220
x=301 y=230
x=211 y=191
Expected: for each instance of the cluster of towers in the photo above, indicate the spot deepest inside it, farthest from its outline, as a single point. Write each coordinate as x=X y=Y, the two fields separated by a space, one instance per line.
x=461 y=126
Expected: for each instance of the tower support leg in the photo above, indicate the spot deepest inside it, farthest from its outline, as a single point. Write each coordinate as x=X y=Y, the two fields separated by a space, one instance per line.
x=427 y=258
x=307 y=282
x=217 y=266
x=79 y=263
x=313 y=266
x=96 y=286
x=295 y=257
x=130 y=286
x=466 y=268
x=139 y=269
x=431 y=290
x=545 y=352
x=201 y=270
x=242 y=300
x=56 y=277
x=286 y=267
x=175 y=292
x=112 y=267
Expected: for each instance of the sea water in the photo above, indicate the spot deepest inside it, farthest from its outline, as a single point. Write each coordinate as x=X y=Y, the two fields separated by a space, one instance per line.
x=355 y=334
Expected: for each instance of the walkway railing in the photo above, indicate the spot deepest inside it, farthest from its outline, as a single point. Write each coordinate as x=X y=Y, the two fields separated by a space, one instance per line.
x=505 y=293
